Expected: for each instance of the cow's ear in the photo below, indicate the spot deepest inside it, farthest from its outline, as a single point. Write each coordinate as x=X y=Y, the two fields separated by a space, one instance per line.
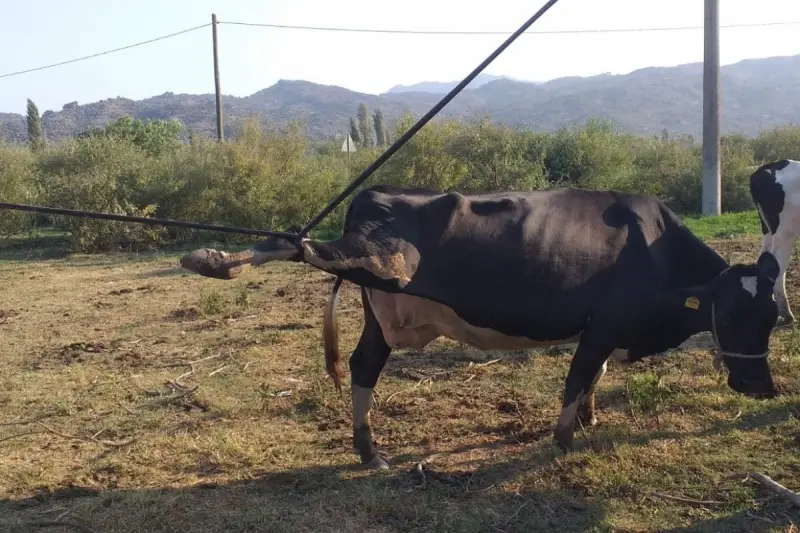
x=768 y=267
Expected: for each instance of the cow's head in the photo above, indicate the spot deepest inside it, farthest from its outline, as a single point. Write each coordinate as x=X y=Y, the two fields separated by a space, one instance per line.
x=743 y=315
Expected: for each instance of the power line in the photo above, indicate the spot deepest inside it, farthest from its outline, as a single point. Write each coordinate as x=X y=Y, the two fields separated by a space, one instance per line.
x=465 y=32
x=394 y=31
x=106 y=52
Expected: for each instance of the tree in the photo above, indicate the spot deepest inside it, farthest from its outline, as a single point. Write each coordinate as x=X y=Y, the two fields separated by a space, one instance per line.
x=354 y=131
x=380 y=128
x=364 y=125
x=35 y=130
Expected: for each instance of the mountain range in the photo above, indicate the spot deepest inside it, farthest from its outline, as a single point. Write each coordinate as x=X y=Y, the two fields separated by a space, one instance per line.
x=755 y=94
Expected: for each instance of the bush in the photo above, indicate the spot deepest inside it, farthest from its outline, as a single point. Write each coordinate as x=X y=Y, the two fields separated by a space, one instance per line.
x=270 y=177
x=16 y=166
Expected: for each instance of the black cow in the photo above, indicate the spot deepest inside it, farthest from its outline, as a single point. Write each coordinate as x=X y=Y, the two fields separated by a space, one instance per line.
x=775 y=188
x=614 y=272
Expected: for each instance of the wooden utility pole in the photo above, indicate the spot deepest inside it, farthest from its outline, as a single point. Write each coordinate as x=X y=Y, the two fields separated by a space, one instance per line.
x=216 y=76
x=712 y=195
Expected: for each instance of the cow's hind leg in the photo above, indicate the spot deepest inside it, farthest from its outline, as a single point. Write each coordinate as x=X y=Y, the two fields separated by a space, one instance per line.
x=585 y=370
x=781 y=246
x=366 y=364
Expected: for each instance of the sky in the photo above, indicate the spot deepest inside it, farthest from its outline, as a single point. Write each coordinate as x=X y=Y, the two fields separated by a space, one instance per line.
x=34 y=33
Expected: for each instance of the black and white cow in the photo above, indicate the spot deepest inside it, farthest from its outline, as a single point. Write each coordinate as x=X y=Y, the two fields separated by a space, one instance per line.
x=775 y=188
x=614 y=272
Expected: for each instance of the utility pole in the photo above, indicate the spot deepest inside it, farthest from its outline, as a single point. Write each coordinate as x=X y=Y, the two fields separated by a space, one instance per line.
x=216 y=76
x=712 y=195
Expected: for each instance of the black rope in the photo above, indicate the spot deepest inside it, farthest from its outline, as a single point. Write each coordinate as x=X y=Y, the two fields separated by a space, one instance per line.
x=336 y=201
x=144 y=220
x=424 y=120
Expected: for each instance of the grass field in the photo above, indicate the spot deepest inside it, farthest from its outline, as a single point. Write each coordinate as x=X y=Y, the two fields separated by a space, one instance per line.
x=252 y=437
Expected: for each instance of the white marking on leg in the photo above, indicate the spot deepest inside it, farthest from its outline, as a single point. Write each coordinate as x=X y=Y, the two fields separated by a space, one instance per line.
x=601 y=373
x=782 y=245
x=567 y=418
x=362 y=403
x=749 y=283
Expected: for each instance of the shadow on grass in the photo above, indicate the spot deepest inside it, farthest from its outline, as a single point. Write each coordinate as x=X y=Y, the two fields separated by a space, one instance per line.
x=316 y=499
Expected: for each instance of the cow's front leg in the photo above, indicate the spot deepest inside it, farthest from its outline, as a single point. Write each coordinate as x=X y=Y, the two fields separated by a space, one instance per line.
x=366 y=364
x=587 y=366
x=586 y=410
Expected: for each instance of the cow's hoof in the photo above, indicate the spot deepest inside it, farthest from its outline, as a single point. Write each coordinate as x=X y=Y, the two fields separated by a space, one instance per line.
x=376 y=463
x=563 y=438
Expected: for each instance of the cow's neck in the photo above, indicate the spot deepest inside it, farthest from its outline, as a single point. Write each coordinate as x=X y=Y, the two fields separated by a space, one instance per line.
x=677 y=315
x=696 y=262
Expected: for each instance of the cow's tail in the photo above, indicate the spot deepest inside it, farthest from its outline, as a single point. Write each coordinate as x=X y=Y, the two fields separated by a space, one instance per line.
x=330 y=338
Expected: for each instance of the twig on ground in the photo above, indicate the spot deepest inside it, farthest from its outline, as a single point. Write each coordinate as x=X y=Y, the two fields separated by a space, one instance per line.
x=685 y=500
x=785 y=494
x=182 y=393
x=18 y=435
x=418 y=469
x=217 y=371
x=192 y=368
x=515 y=515
x=487 y=363
x=470 y=378
x=109 y=443
x=59 y=523
x=738 y=414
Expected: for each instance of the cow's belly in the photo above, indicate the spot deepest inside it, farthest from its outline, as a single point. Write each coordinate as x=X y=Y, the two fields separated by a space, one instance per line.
x=412 y=322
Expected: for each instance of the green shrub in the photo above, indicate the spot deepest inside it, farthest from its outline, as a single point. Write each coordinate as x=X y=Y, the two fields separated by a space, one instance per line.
x=16 y=186
x=275 y=177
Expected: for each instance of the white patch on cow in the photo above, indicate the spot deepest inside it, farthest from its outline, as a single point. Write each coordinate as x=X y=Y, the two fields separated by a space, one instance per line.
x=600 y=374
x=392 y=266
x=619 y=355
x=750 y=284
x=362 y=404
x=781 y=243
x=567 y=419
x=413 y=322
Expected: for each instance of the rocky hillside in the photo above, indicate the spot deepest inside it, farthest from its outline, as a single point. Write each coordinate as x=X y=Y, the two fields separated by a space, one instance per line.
x=756 y=94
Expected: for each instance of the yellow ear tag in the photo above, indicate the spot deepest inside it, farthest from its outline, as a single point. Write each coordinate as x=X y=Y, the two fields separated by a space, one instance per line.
x=692 y=302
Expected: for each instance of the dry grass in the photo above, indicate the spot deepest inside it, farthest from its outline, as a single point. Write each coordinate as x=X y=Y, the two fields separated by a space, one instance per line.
x=96 y=427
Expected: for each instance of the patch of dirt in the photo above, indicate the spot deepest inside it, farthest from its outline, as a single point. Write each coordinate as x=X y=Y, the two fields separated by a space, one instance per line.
x=77 y=352
x=189 y=313
x=93 y=352
x=118 y=292
x=6 y=315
